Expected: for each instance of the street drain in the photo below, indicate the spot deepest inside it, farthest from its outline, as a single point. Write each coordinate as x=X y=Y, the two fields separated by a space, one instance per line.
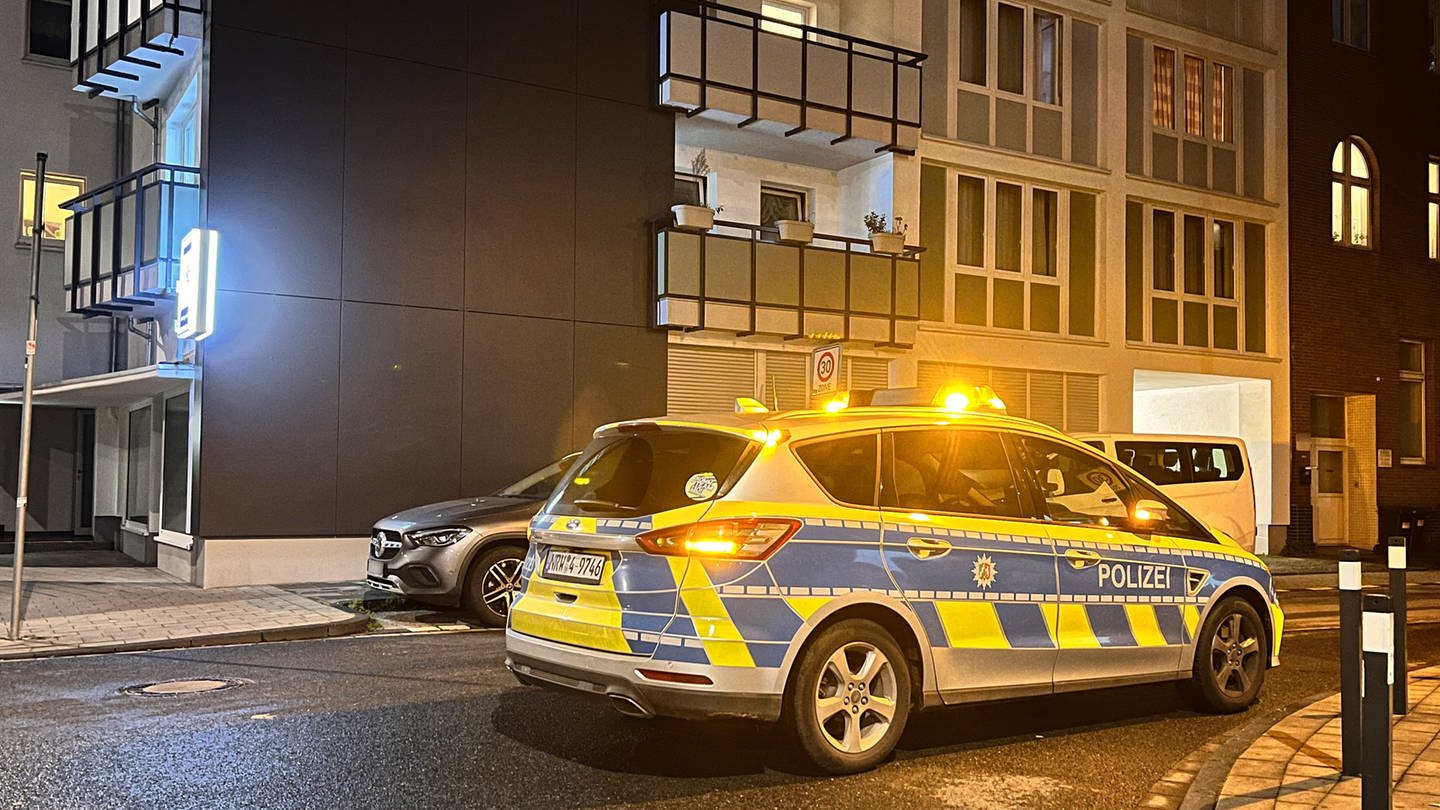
x=188 y=686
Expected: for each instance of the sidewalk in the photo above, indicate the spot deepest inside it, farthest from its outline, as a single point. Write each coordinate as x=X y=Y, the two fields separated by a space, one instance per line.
x=1296 y=764
x=75 y=610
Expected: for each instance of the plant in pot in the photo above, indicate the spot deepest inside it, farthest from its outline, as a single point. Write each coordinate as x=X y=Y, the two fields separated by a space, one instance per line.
x=795 y=231
x=883 y=237
x=694 y=215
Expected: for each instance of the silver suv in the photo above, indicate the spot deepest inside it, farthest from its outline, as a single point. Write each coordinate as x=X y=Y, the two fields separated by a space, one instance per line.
x=465 y=552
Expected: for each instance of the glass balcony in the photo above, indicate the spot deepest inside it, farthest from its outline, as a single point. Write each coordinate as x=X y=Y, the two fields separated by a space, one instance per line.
x=740 y=278
x=828 y=89
x=122 y=246
x=133 y=48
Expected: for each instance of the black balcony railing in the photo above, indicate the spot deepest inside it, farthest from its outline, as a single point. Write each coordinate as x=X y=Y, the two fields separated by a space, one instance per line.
x=740 y=278
x=122 y=247
x=129 y=47
x=813 y=79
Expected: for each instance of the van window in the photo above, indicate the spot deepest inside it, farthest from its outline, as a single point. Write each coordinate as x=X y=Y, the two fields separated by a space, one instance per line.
x=1216 y=462
x=949 y=470
x=844 y=467
x=1161 y=462
x=631 y=474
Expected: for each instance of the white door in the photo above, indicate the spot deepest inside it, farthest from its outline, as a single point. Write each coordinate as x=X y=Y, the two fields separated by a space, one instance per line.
x=1327 y=496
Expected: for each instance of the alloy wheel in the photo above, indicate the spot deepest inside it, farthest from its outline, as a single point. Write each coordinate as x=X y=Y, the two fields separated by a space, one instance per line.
x=856 y=699
x=1235 y=660
x=500 y=585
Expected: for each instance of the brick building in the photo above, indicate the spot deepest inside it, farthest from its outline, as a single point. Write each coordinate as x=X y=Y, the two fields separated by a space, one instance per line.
x=1364 y=179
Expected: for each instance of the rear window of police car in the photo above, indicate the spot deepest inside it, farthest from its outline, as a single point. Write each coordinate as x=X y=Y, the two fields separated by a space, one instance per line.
x=641 y=472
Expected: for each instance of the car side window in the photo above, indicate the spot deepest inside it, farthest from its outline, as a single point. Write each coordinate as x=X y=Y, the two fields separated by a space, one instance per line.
x=1161 y=462
x=844 y=467
x=1076 y=487
x=949 y=470
x=1215 y=462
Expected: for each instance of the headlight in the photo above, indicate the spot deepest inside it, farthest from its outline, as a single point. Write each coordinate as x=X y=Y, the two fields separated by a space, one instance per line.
x=447 y=536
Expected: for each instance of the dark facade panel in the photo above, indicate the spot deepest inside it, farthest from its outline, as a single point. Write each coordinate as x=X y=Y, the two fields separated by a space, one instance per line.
x=404 y=179
x=516 y=416
x=520 y=213
x=270 y=418
x=1134 y=106
x=616 y=368
x=1254 y=147
x=935 y=41
x=1134 y=271
x=275 y=188
x=535 y=44
x=399 y=411
x=432 y=32
x=1085 y=107
x=617 y=50
x=933 y=219
x=1082 y=264
x=623 y=179
x=317 y=21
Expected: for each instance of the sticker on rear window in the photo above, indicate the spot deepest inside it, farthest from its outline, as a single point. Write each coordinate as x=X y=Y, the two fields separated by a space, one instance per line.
x=701 y=486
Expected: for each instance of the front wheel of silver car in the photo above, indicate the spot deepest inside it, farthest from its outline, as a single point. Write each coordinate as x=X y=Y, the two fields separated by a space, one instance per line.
x=492 y=584
x=848 y=702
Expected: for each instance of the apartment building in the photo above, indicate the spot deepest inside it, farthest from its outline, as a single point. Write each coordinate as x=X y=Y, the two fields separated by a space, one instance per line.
x=1364 y=170
x=1094 y=195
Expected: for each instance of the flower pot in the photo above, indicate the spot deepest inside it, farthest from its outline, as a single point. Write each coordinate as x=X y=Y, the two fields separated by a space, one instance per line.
x=885 y=242
x=693 y=217
x=796 y=231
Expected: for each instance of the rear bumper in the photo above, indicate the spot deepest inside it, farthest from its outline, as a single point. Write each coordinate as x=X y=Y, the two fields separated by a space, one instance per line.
x=751 y=692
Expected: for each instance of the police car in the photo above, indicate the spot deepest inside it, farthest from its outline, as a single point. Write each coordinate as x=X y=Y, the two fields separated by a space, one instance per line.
x=836 y=569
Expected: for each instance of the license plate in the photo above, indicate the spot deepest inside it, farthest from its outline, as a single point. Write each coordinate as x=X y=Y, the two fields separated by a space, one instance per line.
x=375 y=568
x=573 y=567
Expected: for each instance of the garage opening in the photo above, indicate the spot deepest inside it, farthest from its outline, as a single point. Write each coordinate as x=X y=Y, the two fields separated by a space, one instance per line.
x=1215 y=405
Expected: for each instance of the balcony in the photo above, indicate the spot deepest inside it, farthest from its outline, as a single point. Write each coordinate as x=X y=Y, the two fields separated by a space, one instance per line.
x=739 y=279
x=809 y=89
x=122 y=248
x=125 y=48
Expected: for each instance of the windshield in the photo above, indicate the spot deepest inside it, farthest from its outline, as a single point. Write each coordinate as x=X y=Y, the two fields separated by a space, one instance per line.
x=539 y=484
x=635 y=473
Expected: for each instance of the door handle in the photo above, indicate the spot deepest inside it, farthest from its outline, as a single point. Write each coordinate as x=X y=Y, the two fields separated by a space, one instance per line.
x=927 y=547
x=1080 y=558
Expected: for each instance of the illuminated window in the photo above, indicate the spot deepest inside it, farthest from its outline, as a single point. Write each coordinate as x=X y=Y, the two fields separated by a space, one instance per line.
x=782 y=17
x=48 y=30
x=1351 y=184
x=59 y=188
x=1412 y=402
x=1432 y=210
x=1194 y=96
x=1164 y=88
x=1350 y=22
x=1047 y=58
x=1222 y=127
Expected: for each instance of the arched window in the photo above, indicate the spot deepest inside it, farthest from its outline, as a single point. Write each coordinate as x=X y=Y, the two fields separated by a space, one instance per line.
x=1352 y=204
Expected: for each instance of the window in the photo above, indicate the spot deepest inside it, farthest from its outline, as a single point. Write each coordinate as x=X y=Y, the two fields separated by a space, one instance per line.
x=175 y=467
x=1222 y=127
x=137 y=467
x=1197 y=293
x=1223 y=260
x=1163 y=114
x=777 y=13
x=1412 y=402
x=1350 y=22
x=1161 y=462
x=1432 y=210
x=1047 y=58
x=1327 y=417
x=689 y=189
x=48 y=35
x=182 y=127
x=970 y=218
x=644 y=472
x=949 y=470
x=781 y=203
x=59 y=188
x=1044 y=214
x=1010 y=49
x=1194 y=255
x=1008 y=199
x=1078 y=488
x=1163 y=237
x=1351 y=180
x=1194 y=96
x=1215 y=462
x=844 y=467
x=973 y=35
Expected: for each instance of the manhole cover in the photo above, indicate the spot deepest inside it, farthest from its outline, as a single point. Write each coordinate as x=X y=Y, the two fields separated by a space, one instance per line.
x=188 y=686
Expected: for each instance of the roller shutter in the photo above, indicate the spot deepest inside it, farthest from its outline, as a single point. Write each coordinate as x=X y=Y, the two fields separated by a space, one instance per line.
x=708 y=379
x=1070 y=402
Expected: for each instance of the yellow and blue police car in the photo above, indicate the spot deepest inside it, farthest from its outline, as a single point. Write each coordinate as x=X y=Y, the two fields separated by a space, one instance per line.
x=836 y=569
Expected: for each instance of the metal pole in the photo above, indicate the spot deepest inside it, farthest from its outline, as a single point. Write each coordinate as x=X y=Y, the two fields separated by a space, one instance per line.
x=1397 y=603
x=37 y=229
x=1375 y=785
x=1351 y=752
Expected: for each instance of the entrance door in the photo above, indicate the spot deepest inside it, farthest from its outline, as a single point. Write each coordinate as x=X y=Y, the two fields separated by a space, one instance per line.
x=1327 y=496
x=83 y=492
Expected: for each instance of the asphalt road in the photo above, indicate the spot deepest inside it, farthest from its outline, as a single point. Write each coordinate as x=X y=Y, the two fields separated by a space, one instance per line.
x=434 y=721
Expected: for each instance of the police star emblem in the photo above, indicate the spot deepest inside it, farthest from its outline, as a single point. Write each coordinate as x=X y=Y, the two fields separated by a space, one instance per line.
x=984 y=571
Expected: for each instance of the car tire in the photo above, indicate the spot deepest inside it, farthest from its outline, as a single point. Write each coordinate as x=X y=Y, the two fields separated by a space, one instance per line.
x=850 y=697
x=492 y=582
x=1230 y=658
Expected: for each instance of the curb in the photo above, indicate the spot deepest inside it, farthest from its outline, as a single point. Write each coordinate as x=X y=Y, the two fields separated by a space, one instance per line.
x=343 y=627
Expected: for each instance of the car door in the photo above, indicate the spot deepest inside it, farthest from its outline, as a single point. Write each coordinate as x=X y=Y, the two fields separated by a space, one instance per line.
x=1120 y=591
x=978 y=574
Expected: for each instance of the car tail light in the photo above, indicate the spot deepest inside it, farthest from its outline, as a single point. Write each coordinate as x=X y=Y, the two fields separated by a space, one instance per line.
x=738 y=538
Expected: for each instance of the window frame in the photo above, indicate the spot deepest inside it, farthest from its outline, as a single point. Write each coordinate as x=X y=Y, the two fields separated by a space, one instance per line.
x=145 y=472
x=53 y=181
x=785 y=28
x=874 y=433
x=1177 y=291
x=1417 y=377
x=1346 y=181
x=1219 y=125
x=1432 y=206
x=1344 y=25
x=800 y=196
x=44 y=59
x=182 y=537
x=1025 y=497
x=699 y=180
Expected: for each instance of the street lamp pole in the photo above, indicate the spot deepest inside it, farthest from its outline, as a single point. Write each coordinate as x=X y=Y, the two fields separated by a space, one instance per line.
x=37 y=230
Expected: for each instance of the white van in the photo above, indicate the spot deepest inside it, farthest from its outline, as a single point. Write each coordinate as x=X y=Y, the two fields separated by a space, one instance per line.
x=1208 y=475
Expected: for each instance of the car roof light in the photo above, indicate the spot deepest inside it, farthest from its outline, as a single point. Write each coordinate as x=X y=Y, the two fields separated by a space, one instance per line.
x=749 y=405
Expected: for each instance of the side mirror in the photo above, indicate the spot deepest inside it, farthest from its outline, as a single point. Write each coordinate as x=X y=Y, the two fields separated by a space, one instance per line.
x=1054 y=482
x=1149 y=513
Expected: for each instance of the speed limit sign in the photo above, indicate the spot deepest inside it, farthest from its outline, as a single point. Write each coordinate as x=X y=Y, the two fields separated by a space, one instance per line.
x=825 y=370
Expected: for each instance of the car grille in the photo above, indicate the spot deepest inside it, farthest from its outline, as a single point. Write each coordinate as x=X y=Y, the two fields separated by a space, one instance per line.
x=384 y=545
